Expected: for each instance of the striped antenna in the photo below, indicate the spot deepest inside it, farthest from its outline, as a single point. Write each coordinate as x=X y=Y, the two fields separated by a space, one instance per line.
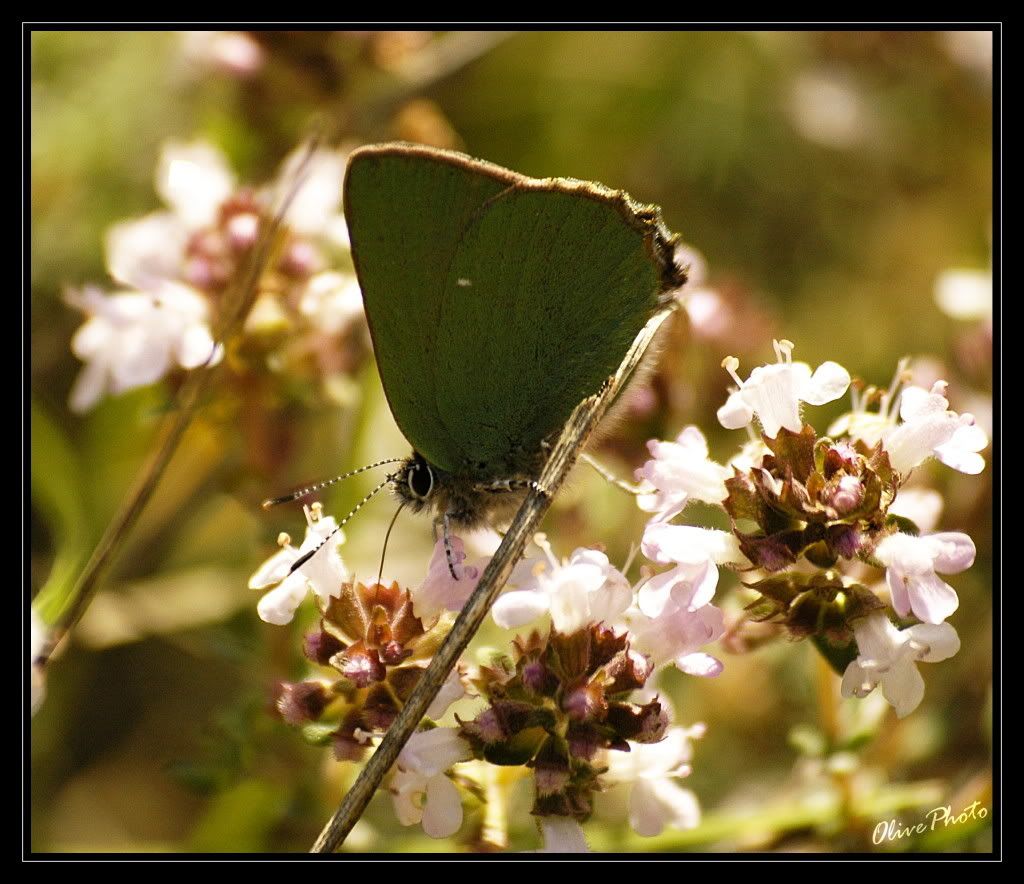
x=302 y=492
x=305 y=557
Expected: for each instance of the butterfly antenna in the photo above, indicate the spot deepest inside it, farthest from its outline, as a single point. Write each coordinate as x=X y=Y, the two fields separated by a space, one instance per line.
x=305 y=557
x=302 y=492
x=387 y=536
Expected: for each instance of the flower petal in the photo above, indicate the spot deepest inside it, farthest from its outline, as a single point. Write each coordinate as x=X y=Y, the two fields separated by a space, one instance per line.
x=931 y=598
x=903 y=687
x=278 y=606
x=562 y=835
x=829 y=381
x=940 y=641
x=700 y=664
x=442 y=813
x=736 y=413
x=954 y=551
x=519 y=607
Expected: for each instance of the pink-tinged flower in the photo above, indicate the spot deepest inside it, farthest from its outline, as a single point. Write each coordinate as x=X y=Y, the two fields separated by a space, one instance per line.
x=323 y=572
x=420 y=789
x=773 y=393
x=677 y=635
x=888 y=656
x=439 y=591
x=696 y=553
x=673 y=618
x=132 y=339
x=679 y=471
x=911 y=564
x=583 y=590
x=561 y=834
x=929 y=429
x=656 y=800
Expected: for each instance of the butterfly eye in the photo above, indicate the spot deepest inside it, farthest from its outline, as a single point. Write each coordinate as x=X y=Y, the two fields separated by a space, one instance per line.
x=421 y=481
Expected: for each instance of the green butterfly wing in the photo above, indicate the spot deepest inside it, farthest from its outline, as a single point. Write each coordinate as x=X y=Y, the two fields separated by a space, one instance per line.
x=496 y=302
x=548 y=287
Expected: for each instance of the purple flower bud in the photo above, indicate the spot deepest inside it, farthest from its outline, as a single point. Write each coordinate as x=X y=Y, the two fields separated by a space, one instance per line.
x=299 y=702
x=535 y=677
x=845 y=540
x=846 y=496
x=320 y=646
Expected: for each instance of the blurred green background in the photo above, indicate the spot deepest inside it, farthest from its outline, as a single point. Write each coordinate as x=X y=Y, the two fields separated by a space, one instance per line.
x=828 y=179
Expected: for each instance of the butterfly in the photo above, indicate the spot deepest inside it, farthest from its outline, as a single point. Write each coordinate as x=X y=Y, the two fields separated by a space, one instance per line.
x=496 y=303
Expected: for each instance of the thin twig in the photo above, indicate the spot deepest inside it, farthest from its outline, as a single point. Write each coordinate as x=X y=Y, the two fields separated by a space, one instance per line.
x=572 y=440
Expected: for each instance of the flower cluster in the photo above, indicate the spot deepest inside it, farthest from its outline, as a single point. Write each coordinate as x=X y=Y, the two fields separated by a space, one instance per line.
x=573 y=704
x=807 y=506
x=178 y=268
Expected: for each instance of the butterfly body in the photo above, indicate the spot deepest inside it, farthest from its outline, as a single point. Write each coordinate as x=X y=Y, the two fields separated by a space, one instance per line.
x=496 y=303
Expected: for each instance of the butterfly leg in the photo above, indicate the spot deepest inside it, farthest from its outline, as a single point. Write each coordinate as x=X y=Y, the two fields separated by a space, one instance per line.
x=447 y=533
x=502 y=486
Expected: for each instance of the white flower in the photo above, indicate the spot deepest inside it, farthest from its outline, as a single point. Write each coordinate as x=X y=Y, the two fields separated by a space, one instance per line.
x=561 y=834
x=673 y=617
x=930 y=429
x=911 y=565
x=651 y=769
x=323 y=572
x=439 y=591
x=194 y=179
x=333 y=301
x=696 y=553
x=888 y=656
x=420 y=788
x=131 y=339
x=678 y=471
x=774 y=392
x=585 y=589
